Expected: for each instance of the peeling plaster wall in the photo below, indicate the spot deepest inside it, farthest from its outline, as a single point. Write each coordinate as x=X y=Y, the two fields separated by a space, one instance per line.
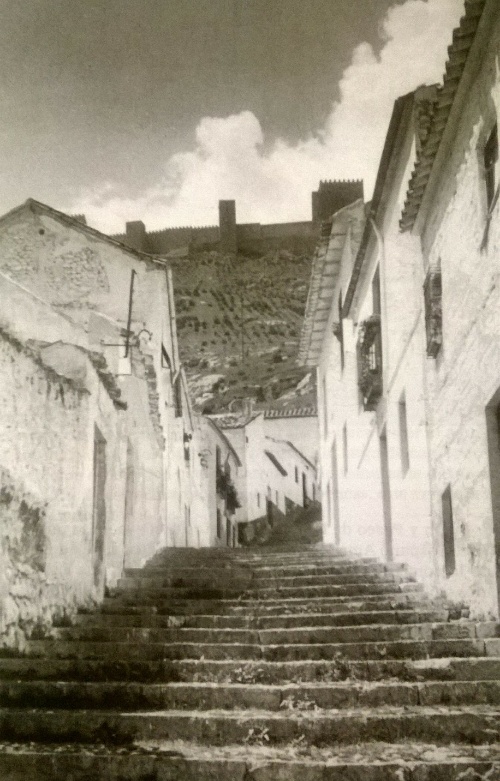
x=46 y=473
x=466 y=373
x=85 y=281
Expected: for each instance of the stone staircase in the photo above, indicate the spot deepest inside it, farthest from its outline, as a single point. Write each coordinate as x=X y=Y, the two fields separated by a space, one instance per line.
x=265 y=665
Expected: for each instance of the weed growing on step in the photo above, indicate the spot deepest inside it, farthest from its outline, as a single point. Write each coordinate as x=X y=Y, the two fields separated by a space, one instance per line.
x=247 y=674
x=293 y=704
x=257 y=736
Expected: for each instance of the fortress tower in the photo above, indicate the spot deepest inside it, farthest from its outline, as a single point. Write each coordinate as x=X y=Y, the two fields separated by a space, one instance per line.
x=227 y=226
x=334 y=195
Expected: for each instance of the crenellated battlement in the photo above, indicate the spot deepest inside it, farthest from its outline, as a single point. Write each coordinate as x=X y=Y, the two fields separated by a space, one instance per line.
x=229 y=237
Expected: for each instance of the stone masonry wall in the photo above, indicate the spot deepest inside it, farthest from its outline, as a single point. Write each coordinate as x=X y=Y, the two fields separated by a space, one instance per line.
x=42 y=521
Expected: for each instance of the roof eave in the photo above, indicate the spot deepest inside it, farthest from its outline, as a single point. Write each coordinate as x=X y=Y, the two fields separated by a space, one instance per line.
x=471 y=69
x=390 y=147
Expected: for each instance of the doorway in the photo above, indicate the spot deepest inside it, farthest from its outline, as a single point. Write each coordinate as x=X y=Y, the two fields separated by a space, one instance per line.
x=493 y=439
x=386 y=494
x=335 y=493
x=129 y=501
x=99 y=506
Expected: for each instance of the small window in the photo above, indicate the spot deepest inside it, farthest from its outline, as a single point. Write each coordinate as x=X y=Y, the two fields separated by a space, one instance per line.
x=258 y=500
x=276 y=495
x=296 y=474
x=403 y=435
x=345 y=449
x=219 y=524
x=490 y=161
x=448 y=532
x=178 y=396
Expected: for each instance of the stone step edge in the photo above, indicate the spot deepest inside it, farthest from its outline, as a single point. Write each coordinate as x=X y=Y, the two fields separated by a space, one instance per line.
x=288 y=697
x=409 y=751
x=482 y=630
x=443 y=614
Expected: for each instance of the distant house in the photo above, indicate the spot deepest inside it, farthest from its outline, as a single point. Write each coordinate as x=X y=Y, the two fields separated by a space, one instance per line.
x=217 y=497
x=96 y=419
x=275 y=477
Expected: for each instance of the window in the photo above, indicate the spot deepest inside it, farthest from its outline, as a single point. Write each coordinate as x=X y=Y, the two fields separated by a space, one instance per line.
x=345 y=452
x=276 y=494
x=369 y=350
x=433 y=310
x=448 y=532
x=178 y=396
x=219 y=524
x=296 y=474
x=403 y=435
x=490 y=161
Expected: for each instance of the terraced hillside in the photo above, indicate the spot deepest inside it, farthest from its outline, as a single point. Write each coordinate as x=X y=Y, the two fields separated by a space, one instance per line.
x=239 y=321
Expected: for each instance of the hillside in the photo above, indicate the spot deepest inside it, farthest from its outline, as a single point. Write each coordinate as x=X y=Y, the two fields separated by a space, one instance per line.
x=239 y=320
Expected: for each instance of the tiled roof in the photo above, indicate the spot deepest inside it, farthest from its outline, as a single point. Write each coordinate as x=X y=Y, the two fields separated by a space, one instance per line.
x=292 y=412
x=458 y=52
x=232 y=419
x=324 y=276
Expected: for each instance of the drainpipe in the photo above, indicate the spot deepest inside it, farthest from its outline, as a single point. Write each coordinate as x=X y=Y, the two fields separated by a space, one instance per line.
x=383 y=291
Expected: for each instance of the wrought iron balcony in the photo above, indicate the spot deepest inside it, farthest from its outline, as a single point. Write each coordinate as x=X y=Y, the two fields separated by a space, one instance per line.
x=433 y=312
x=369 y=351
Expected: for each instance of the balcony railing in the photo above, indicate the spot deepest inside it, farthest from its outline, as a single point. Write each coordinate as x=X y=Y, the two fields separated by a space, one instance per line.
x=370 y=361
x=433 y=312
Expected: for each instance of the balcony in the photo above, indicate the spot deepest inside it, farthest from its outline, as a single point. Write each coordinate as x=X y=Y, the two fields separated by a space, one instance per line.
x=369 y=351
x=433 y=312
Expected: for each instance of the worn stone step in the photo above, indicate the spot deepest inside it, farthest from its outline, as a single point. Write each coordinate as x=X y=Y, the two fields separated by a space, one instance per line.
x=302 y=634
x=199 y=580
x=139 y=591
x=183 y=761
x=464 y=724
x=292 y=698
x=262 y=622
x=298 y=581
x=444 y=668
x=331 y=590
x=250 y=671
x=361 y=567
x=395 y=649
x=142 y=604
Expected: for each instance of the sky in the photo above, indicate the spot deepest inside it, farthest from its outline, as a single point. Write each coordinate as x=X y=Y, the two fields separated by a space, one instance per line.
x=156 y=109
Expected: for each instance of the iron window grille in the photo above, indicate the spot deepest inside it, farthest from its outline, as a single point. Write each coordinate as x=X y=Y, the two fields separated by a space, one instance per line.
x=369 y=350
x=433 y=312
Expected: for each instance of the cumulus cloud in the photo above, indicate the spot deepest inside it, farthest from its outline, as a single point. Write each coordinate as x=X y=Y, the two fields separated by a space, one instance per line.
x=273 y=183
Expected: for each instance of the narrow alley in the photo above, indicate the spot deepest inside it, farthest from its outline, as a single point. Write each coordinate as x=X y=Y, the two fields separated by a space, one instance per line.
x=250 y=471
